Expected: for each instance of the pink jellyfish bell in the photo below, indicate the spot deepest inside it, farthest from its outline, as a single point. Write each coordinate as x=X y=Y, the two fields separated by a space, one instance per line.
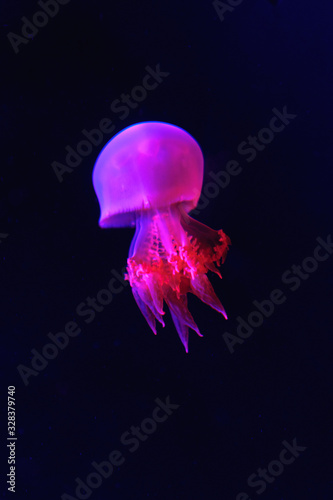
x=150 y=176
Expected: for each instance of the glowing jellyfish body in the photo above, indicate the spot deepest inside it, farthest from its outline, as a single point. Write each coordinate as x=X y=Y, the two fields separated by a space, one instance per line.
x=150 y=176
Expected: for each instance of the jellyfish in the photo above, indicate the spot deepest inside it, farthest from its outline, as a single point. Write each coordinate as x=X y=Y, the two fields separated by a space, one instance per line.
x=150 y=176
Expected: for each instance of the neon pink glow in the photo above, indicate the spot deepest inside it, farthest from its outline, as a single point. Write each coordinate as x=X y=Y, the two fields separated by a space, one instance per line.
x=150 y=176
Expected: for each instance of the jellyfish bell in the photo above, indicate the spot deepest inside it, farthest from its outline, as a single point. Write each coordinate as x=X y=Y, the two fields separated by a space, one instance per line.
x=147 y=166
x=150 y=176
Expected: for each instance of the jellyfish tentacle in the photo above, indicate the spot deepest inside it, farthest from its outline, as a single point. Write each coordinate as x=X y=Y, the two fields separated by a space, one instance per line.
x=202 y=288
x=146 y=311
x=169 y=258
x=181 y=316
x=150 y=304
x=157 y=296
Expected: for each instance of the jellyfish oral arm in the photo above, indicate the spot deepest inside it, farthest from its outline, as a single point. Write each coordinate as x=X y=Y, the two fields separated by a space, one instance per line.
x=169 y=257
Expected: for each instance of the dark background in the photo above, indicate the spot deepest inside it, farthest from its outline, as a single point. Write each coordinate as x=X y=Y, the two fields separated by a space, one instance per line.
x=225 y=77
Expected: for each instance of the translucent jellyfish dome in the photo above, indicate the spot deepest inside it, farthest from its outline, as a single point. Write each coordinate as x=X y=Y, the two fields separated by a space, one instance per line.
x=146 y=166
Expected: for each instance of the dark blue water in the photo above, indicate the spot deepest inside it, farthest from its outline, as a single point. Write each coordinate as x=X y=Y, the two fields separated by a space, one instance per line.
x=105 y=409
